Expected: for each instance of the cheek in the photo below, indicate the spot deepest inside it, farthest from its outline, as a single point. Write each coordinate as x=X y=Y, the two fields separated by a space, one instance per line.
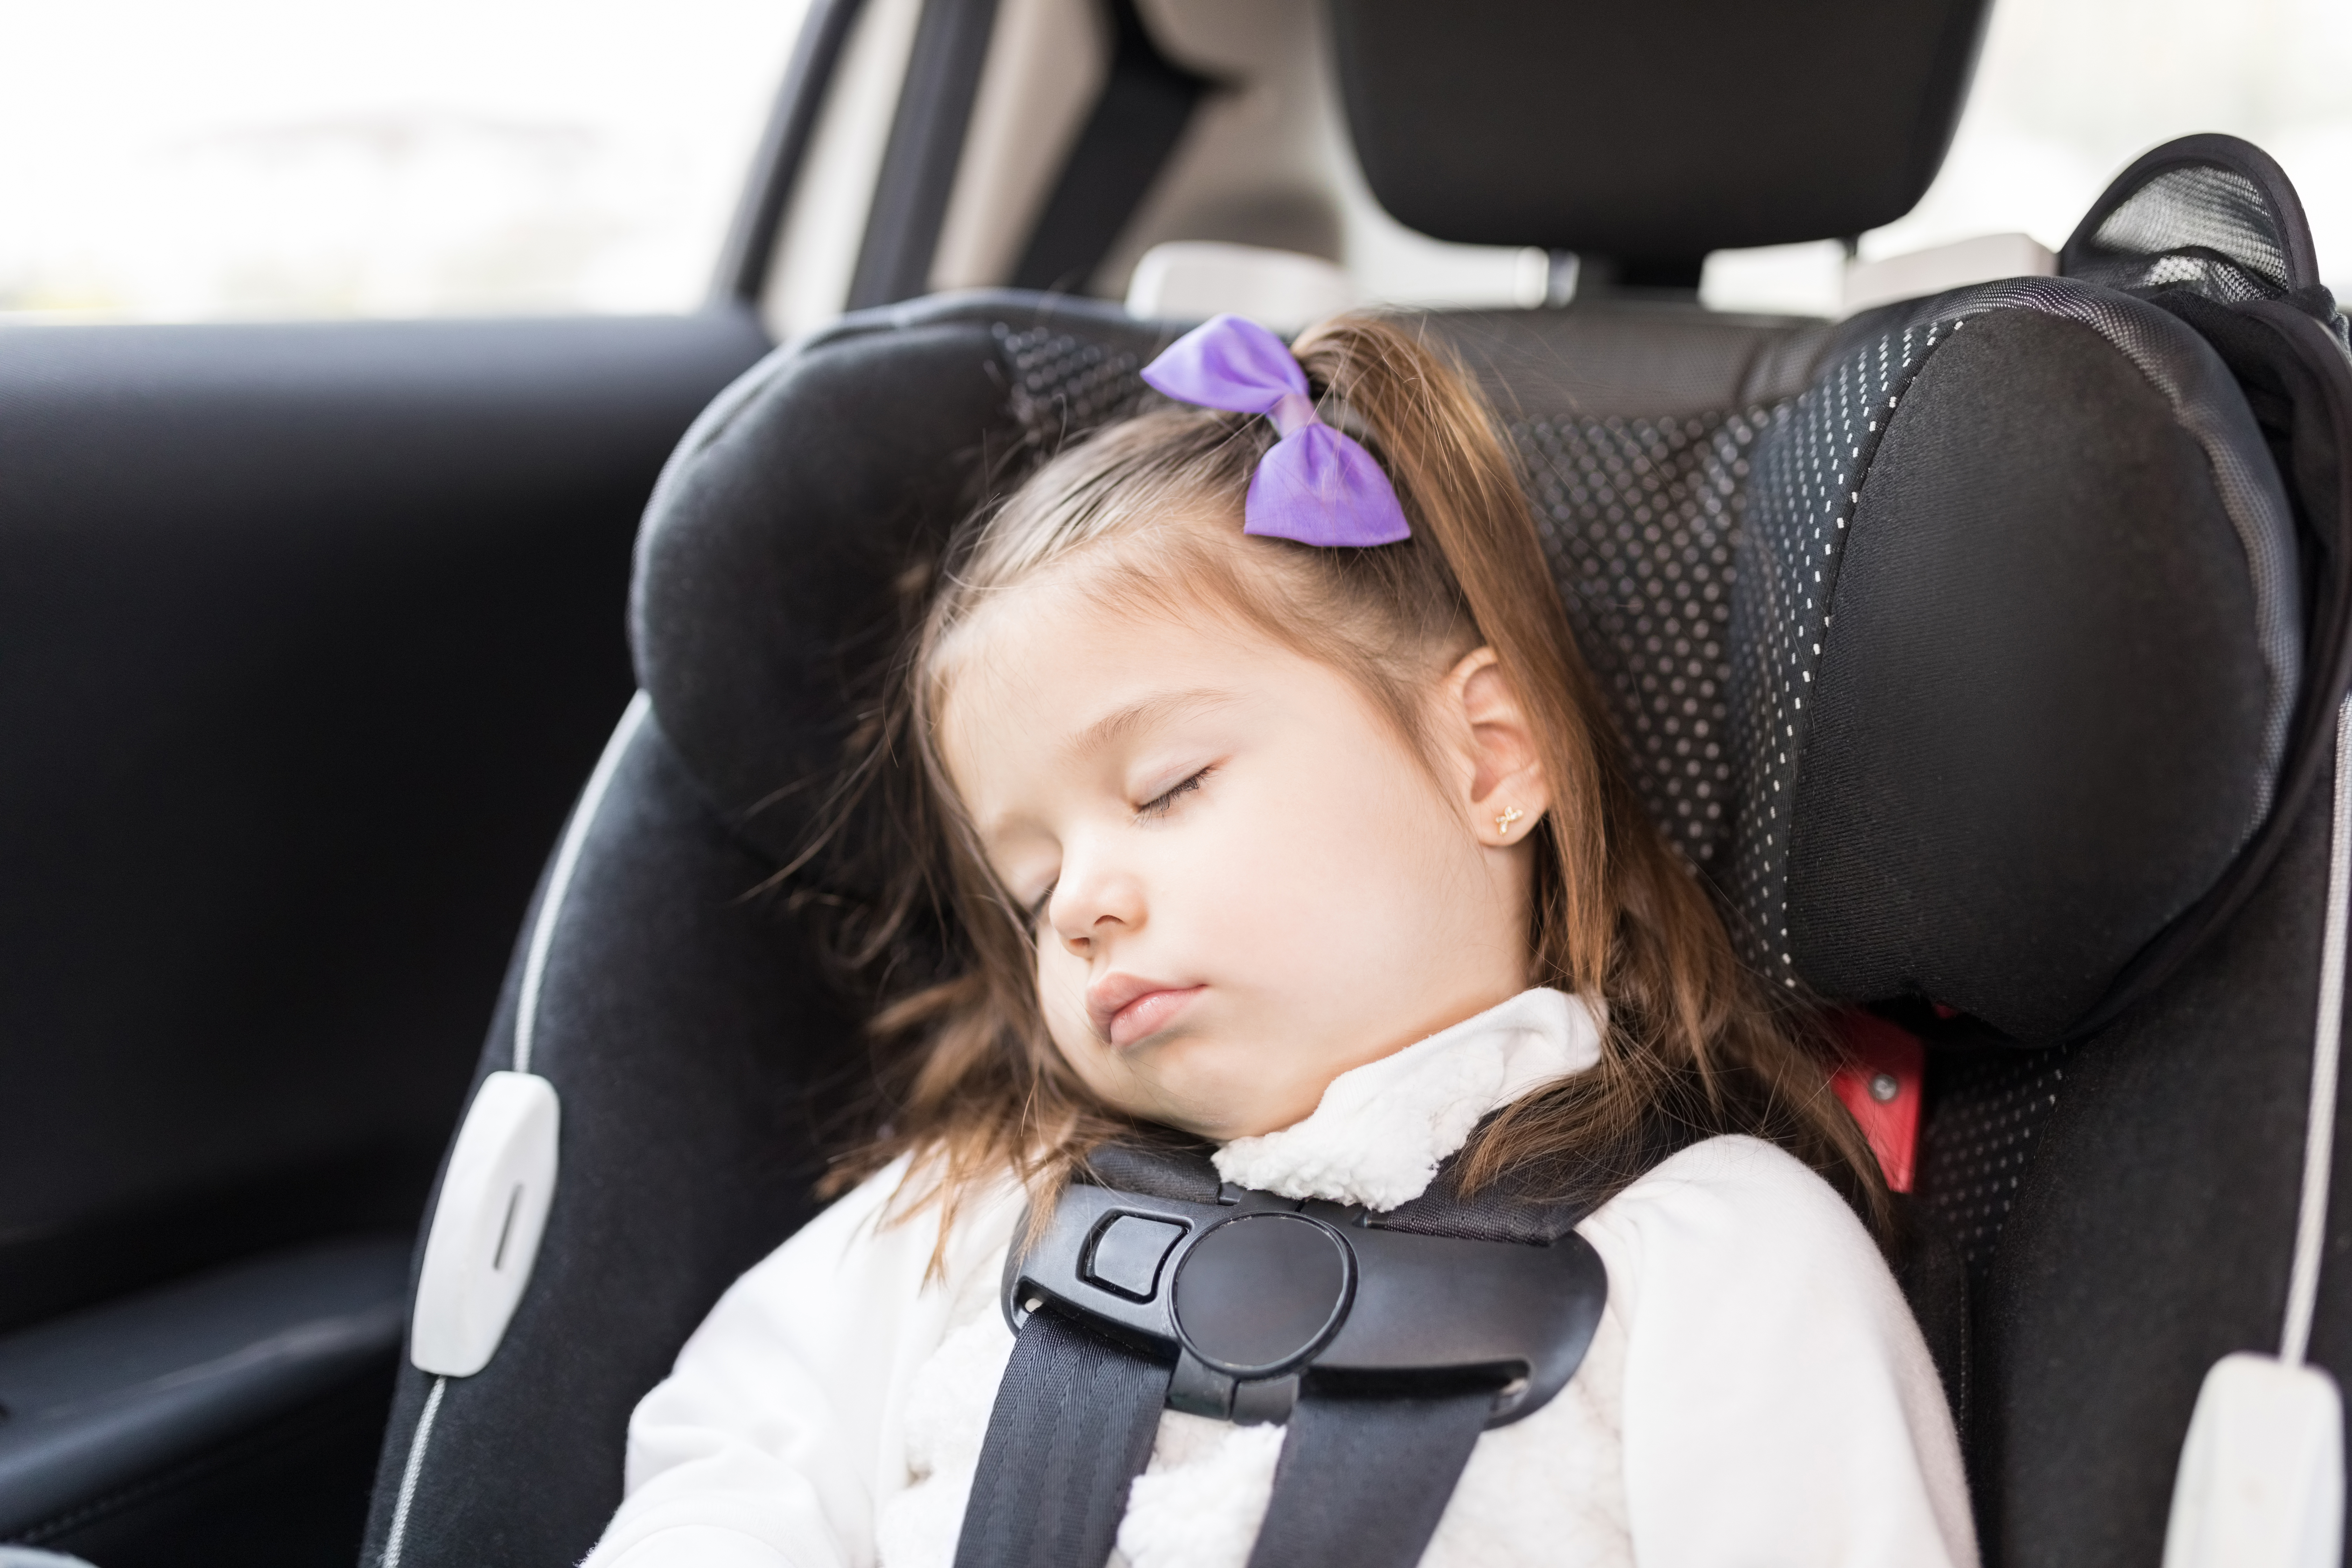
x=1061 y=996
x=1332 y=869
x=1061 y=990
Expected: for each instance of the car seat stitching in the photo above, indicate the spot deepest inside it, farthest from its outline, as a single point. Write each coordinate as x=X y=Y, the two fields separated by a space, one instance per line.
x=2319 y=1130
x=395 y=1537
x=559 y=881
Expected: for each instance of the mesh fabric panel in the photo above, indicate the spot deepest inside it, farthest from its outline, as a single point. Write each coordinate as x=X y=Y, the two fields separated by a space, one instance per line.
x=2207 y=214
x=1063 y=384
x=2208 y=227
x=1639 y=518
x=1988 y=1107
x=1807 y=477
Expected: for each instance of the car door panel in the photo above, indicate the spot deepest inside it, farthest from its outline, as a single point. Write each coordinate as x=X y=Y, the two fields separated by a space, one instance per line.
x=308 y=634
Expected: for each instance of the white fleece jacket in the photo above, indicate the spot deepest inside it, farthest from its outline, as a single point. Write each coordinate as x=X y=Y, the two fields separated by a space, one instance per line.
x=1756 y=1394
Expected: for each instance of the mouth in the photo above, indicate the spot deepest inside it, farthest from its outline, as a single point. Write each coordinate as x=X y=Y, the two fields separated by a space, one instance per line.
x=1124 y=1009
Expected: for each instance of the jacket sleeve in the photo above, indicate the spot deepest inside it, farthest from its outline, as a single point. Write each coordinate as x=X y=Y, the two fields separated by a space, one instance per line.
x=776 y=1436
x=1780 y=1406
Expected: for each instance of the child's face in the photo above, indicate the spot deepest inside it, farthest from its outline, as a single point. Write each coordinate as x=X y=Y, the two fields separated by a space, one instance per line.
x=1244 y=880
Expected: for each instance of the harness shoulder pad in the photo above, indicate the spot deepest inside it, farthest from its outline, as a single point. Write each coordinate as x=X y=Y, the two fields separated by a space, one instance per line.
x=1251 y=1293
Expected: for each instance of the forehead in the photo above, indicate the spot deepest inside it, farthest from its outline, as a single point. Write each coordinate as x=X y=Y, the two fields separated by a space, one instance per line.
x=1055 y=655
x=1061 y=670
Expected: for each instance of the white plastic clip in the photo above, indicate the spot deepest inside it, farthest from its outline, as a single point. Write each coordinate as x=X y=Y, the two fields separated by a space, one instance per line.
x=2262 y=1475
x=487 y=1224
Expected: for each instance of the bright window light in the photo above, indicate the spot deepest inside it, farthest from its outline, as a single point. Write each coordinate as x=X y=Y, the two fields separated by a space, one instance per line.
x=257 y=159
x=2068 y=92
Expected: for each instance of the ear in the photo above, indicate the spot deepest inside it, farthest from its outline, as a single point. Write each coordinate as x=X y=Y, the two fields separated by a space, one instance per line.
x=1504 y=783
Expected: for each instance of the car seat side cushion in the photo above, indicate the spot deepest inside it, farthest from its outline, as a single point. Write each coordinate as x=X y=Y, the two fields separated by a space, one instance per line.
x=2037 y=731
x=688 y=1029
x=769 y=567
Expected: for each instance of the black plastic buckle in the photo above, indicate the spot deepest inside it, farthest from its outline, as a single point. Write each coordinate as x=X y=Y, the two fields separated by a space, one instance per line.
x=1254 y=1293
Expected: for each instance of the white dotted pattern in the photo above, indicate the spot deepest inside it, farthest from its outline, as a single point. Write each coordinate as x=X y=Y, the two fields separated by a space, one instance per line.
x=1809 y=470
x=1989 y=1108
x=1639 y=519
x=1063 y=384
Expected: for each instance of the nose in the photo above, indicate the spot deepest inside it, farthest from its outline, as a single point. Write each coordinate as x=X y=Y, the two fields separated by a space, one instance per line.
x=1095 y=897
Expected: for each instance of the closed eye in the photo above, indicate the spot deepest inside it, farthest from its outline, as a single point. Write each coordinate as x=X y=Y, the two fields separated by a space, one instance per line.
x=1160 y=804
x=1037 y=910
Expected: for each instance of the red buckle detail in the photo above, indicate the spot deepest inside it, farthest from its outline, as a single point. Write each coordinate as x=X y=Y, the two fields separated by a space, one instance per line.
x=1880 y=1083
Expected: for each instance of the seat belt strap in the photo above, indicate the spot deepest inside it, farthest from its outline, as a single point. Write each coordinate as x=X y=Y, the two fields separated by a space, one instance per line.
x=1363 y=1480
x=1071 y=1429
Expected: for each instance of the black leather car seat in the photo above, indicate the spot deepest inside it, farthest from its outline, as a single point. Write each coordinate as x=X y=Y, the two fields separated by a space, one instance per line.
x=1981 y=652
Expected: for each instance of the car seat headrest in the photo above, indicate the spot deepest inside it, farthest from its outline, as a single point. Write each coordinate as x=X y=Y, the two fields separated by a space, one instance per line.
x=1653 y=133
x=2016 y=632
x=771 y=572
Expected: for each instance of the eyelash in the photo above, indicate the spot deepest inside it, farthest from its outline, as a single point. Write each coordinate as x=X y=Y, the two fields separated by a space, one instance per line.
x=1158 y=807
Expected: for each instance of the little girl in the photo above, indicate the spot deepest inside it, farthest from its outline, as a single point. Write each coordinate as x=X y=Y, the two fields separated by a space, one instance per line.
x=1269 y=801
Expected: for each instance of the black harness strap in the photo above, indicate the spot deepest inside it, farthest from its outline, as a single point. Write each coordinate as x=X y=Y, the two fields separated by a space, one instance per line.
x=1322 y=1511
x=1387 y=1342
x=1071 y=1429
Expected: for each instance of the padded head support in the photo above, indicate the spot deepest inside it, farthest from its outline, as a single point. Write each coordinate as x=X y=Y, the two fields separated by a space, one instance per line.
x=769 y=587
x=1656 y=132
x=2017 y=637
x=769 y=577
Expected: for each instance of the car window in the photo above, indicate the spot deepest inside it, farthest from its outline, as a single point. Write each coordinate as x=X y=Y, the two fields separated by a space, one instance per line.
x=255 y=159
x=2067 y=92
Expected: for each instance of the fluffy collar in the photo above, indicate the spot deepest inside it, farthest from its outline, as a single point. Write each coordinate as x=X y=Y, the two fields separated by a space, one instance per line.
x=1380 y=1130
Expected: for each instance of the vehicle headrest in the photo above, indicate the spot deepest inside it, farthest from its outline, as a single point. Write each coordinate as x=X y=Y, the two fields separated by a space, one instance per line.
x=1656 y=132
x=2017 y=639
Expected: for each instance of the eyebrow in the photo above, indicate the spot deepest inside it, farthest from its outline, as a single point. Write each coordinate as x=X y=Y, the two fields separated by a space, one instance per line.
x=1153 y=709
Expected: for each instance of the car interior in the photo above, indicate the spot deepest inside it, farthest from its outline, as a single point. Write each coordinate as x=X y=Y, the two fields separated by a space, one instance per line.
x=413 y=1018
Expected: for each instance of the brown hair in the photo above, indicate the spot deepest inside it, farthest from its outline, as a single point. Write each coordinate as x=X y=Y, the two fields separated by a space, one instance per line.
x=1697 y=1044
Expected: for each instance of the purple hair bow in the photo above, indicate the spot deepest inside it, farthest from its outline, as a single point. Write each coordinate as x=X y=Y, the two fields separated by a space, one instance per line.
x=1318 y=486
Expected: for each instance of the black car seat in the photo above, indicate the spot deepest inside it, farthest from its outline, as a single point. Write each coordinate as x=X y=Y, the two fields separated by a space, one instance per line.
x=1982 y=652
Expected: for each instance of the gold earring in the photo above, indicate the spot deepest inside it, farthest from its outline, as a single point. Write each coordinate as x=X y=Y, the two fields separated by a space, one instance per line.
x=1505 y=817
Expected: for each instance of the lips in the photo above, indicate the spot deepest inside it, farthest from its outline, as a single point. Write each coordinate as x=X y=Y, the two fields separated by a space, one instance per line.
x=1125 y=1008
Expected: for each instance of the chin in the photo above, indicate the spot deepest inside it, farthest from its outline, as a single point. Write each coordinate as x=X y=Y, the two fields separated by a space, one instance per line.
x=1212 y=1089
